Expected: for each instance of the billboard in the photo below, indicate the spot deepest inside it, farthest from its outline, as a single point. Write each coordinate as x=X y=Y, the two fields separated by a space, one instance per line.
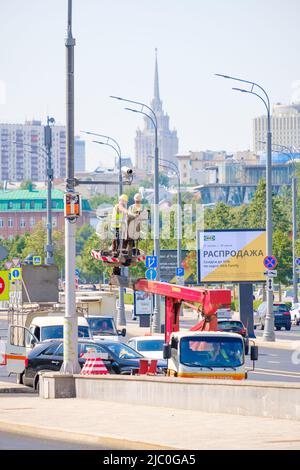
x=168 y=265
x=142 y=303
x=231 y=255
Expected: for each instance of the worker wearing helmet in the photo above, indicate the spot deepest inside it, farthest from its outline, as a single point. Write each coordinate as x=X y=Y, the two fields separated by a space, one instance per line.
x=133 y=212
x=118 y=222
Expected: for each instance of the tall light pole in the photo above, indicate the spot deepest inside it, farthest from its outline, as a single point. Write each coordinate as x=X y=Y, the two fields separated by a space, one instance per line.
x=49 y=249
x=70 y=364
x=153 y=118
x=121 y=317
x=173 y=167
x=48 y=144
x=289 y=152
x=269 y=333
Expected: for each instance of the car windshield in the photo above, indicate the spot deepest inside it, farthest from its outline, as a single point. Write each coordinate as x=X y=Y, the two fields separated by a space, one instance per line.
x=211 y=352
x=102 y=326
x=230 y=325
x=57 y=332
x=122 y=351
x=150 y=345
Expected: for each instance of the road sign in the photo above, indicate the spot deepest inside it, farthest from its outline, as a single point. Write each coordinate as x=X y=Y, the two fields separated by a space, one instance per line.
x=180 y=272
x=16 y=261
x=16 y=274
x=36 y=260
x=8 y=265
x=297 y=261
x=151 y=274
x=4 y=285
x=270 y=262
x=151 y=262
x=270 y=284
x=271 y=273
x=77 y=272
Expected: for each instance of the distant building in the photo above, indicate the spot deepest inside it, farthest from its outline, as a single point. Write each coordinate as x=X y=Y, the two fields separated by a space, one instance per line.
x=20 y=155
x=21 y=210
x=285 y=122
x=167 y=139
x=79 y=155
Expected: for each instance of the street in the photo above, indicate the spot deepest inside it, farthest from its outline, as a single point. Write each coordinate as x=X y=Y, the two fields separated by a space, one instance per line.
x=10 y=441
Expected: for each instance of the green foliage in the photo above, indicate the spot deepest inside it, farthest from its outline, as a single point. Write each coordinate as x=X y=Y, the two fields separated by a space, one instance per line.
x=82 y=235
x=27 y=184
x=99 y=199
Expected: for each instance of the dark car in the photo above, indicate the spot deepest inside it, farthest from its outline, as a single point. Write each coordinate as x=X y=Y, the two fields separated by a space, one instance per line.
x=282 y=315
x=235 y=326
x=48 y=356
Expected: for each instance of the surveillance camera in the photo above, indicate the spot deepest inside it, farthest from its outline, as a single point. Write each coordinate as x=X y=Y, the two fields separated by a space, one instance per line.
x=127 y=171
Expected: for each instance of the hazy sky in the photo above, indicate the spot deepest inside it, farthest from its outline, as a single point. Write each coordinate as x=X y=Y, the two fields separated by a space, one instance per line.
x=255 y=39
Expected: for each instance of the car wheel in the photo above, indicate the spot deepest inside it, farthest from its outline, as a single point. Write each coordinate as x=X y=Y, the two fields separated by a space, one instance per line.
x=287 y=328
x=278 y=328
x=20 y=379
x=37 y=384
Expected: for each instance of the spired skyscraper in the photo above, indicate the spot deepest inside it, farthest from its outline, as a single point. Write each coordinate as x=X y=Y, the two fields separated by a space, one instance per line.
x=144 y=140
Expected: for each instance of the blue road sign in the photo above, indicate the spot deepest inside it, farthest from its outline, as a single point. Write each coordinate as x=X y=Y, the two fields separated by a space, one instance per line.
x=77 y=272
x=270 y=262
x=151 y=262
x=180 y=272
x=151 y=274
x=297 y=261
x=36 y=260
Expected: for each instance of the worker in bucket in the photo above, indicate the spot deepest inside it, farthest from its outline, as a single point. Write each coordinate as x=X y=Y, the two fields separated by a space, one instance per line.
x=134 y=225
x=119 y=222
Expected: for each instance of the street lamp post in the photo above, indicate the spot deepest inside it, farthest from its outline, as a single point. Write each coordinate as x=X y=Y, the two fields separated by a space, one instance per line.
x=173 y=167
x=70 y=364
x=289 y=153
x=269 y=334
x=153 y=118
x=49 y=249
x=48 y=144
x=121 y=317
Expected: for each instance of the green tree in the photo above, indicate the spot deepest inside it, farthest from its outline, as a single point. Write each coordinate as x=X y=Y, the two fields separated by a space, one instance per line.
x=82 y=235
x=99 y=199
x=282 y=249
x=27 y=184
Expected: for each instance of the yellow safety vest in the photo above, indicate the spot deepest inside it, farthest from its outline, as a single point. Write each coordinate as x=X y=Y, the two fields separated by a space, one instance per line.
x=117 y=217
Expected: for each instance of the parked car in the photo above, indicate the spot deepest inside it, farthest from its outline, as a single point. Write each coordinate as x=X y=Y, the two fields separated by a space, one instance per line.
x=235 y=326
x=295 y=314
x=150 y=346
x=48 y=356
x=282 y=315
x=104 y=328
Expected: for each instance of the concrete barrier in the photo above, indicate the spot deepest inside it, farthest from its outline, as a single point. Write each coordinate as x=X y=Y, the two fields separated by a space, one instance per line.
x=248 y=398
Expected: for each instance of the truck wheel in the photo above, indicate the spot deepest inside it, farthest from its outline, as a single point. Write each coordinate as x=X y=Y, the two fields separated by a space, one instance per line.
x=278 y=328
x=287 y=328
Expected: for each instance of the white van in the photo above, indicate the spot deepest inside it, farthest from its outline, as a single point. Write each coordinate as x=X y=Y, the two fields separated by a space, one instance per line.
x=52 y=327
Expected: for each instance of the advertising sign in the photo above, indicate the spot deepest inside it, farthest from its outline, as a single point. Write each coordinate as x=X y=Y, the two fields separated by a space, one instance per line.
x=231 y=255
x=169 y=266
x=142 y=303
x=4 y=285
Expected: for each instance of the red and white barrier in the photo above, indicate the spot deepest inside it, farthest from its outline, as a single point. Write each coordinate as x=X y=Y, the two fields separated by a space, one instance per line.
x=94 y=364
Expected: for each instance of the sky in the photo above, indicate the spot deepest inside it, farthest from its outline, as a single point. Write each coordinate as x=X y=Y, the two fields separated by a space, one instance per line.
x=114 y=55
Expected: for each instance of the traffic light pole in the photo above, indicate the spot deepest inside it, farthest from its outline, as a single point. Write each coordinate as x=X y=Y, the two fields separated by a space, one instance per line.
x=70 y=364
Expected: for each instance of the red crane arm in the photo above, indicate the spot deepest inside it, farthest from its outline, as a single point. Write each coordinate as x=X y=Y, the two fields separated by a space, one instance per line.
x=209 y=301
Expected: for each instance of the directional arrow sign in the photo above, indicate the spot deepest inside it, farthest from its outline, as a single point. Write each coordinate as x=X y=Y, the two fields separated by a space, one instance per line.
x=271 y=273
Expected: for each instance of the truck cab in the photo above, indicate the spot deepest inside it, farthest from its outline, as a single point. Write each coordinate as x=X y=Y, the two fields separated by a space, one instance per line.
x=103 y=328
x=206 y=354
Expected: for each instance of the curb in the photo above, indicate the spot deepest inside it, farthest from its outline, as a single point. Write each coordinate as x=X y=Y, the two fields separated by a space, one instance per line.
x=289 y=346
x=14 y=390
x=61 y=435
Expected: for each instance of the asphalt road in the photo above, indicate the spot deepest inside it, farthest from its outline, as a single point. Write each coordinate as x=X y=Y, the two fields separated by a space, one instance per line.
x=274 y=364
x=10 y=441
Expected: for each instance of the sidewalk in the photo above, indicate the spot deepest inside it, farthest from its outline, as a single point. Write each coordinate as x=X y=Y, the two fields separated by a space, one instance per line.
x=129 y=426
